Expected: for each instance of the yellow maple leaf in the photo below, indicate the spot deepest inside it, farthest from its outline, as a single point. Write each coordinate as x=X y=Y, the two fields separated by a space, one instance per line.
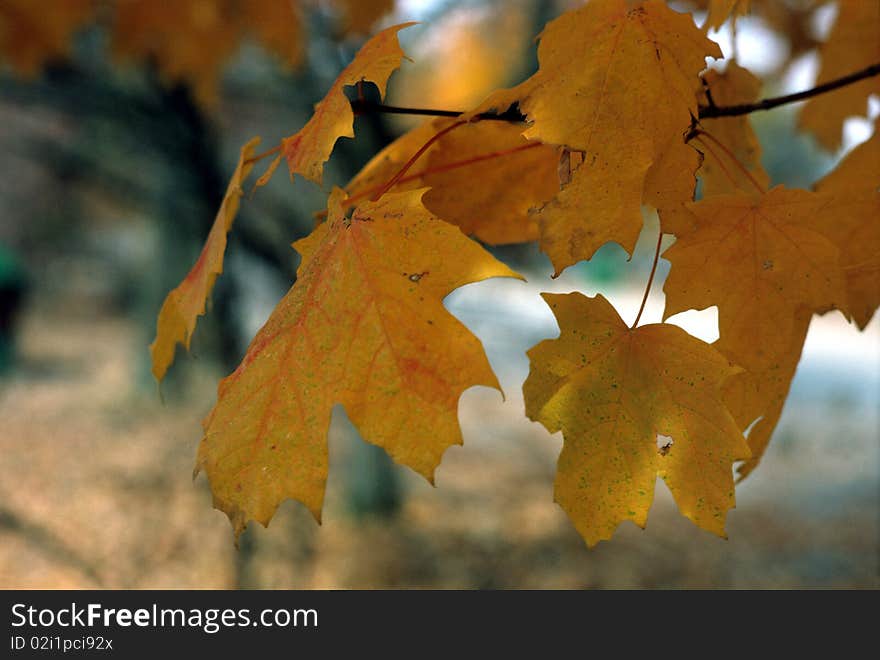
x=183 y=306
x=611 y=390
x=758 y=258
x=763 y=391
x=719 y=174
x=618 y=84
x=854 y=43
x=851 y=220
x=364 y=326
x=308 y=149
x=670 y=185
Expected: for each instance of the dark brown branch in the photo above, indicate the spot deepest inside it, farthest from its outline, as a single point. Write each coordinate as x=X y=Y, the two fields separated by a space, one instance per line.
x=513 y=114
x=712 y=111
x=359 y=107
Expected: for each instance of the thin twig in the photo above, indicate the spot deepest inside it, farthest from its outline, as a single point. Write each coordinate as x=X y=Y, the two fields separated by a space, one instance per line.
x=403 y=170
x=650 y=279
x=708 y=148
x=710 y=112
x=359 y=107
x=446 y=167
x=733 y=158
x=254 y=159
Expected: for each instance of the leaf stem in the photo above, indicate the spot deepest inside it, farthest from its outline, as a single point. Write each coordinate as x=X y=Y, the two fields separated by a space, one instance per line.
x=403 y=170
x=361 y=107
x=732 y=156
x=709 y=149
x=254 y=159
x=446 y=167
x=650 y=280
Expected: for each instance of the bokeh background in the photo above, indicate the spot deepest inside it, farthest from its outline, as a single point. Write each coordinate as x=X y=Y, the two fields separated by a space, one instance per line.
x=111 y=176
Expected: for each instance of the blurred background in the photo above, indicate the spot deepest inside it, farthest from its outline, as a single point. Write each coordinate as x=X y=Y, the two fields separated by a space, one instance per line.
x=114 y=163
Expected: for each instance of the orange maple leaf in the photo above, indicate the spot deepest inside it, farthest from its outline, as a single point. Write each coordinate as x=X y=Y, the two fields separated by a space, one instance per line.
x=183 y=306
x=364 y=326
x=307 y=150
x=490 y=153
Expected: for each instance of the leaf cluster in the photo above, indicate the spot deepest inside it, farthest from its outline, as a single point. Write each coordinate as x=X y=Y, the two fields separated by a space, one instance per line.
x=611 y=123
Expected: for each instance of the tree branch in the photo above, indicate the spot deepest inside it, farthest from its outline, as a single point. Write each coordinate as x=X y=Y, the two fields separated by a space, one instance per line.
x=711 y=111
x=361 y=107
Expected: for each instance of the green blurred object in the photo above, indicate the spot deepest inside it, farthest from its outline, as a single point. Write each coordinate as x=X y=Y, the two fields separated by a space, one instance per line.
x=373 y=487
x=13 y=284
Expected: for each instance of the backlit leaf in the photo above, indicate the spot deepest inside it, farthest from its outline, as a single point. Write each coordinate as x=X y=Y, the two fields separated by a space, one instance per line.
x=612 y=390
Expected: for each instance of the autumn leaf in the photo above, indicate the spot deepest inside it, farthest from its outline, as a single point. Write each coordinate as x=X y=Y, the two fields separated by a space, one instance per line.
x=611 y=390
x=491 y=153
x=758 y=258
x=364 y=326
x=479 y=197
x=851 y=221
x=721 y=10
x=466 y=51
x=764 y=262
x=360 y=15
x=385 y=164
x=31 y=34
x=761 y=393
x=719 y=173
x=183 y=306
x=670 y=185
x=854 y=43
x=278 y=27
x=795 y=22
x=189 y=40
x=308 y=150
x=619 y=85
